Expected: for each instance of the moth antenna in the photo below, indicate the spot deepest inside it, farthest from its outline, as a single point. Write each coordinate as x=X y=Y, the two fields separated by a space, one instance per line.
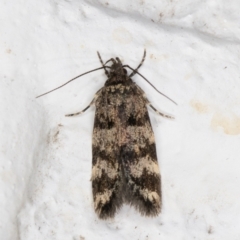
x=72 y=80
x=105 y=70
x=140 y=64
x=110 y=60
x=150 y=83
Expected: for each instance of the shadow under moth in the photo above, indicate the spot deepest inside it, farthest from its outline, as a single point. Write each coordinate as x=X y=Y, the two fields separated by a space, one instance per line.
x=124 y=159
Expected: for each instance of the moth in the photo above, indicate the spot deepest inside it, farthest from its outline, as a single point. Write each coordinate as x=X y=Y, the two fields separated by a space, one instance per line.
x=124 y=158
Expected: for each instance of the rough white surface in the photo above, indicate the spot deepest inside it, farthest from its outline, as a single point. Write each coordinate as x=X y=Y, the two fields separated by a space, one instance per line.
x=45 y=164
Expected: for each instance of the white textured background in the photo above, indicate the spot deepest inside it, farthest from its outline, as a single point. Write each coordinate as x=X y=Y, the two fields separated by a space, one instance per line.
x=45 y=159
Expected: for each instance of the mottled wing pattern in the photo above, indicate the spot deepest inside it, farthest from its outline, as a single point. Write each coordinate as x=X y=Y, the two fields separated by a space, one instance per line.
x=106 y=171
x=139 y=158
x=125 y=167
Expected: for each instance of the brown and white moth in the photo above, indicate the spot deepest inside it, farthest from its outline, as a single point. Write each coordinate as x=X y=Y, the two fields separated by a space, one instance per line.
x=124 y=159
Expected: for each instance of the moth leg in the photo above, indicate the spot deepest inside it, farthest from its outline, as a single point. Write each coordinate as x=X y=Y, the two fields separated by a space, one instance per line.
x=91 y=103
x=105 y=70
x=147 y=102
x=160 y=113
x=75 y=114
x=134 y=72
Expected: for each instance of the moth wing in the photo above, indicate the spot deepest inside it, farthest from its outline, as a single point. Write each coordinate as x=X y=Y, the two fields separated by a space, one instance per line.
x=139 y=157
x=106 y=171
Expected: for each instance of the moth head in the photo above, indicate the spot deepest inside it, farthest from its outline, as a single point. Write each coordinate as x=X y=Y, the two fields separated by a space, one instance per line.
x=117 y=68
